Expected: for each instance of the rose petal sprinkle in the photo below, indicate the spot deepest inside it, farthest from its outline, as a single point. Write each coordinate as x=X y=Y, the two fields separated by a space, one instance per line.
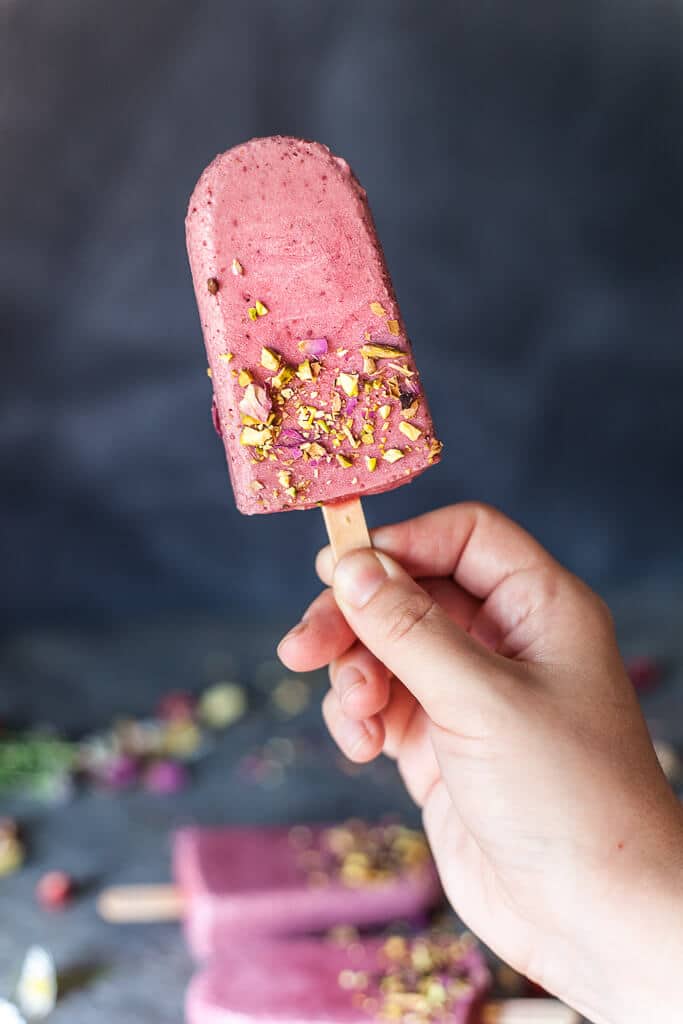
x=256 y=403
x=314 y=347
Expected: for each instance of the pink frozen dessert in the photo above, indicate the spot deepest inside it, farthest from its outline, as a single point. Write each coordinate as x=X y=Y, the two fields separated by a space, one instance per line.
x=316 y=394
x=427 y=978
x=239 y=882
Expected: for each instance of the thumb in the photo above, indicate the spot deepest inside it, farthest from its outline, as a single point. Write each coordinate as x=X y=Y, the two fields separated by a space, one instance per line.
x=411 y=634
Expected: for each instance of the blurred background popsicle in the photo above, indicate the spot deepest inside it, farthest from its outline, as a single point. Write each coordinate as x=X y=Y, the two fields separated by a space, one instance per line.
x=283 y=881
x=308 y=981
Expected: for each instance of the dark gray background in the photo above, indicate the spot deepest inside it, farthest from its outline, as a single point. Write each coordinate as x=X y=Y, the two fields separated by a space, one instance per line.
x=525 y=165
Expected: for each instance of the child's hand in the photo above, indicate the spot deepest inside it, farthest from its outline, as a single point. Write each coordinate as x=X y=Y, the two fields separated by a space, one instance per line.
x=496 y=683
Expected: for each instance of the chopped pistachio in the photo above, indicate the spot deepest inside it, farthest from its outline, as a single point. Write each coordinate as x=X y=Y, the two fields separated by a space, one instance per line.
x=209 y=372
x=378 y=309
x=392 y=455
x=304 y=371
x=253 y=437
x=270 y=360
x=381 y=351
x=402 y=369
x=314 y=450
x=291 y=491
x=226 y=357
x=393 y=326
x=435 y=449
x=286 y=393
x=371 y=463
x=410 y=430
x=256 y=485
x=237 y=267
x=261 y=309
x=250 y=421
x=285 y=477
x=253 y=315
x=342 y=351
x=411 y=410
x=348 y=382
x=367 y=434
x=244 y=378
x=351 y=439
x=384 y=411
x=343 y=461
x=369 y=365
x=335 y=402
x=281 y=378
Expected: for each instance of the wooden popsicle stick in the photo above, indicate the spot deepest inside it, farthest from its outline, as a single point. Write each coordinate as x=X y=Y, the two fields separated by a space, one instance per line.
x=346 y=527
x=529 y=1011
x=131 y=904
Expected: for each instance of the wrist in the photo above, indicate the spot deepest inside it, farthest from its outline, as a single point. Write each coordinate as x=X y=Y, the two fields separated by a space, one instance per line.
x=632 y=940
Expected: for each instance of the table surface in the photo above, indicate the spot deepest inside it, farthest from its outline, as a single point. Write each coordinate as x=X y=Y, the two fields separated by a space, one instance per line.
x=80 y=680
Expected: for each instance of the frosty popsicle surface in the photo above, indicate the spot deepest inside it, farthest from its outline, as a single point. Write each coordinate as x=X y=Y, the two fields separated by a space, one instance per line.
x=316 y=394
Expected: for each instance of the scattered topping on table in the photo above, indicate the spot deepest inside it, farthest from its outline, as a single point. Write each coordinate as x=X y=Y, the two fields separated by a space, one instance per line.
x=37 y=987
x=176 y=705
x=212 y=285
x=166 y=777
x=291 y=696
x=9 y=1014
x=222 y=704
x=644 y=672
x=12 y=852
x=55 y=890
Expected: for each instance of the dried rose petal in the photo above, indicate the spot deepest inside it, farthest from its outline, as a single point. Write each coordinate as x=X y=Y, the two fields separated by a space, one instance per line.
x=290 y=438
x=215 y=418
x=256 y=403
x=166 y=777
x=410 y=386
x=350 y=406
x=290 y=453
x=314 y=347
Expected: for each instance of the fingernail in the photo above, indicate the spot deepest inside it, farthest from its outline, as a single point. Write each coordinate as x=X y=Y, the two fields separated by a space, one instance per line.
x=348 y=679
x=358 y=577
x=295 y=631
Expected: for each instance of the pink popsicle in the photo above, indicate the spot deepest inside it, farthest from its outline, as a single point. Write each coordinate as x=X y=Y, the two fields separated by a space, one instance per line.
x=279 y=881
x=317 y=982
x=316 y=393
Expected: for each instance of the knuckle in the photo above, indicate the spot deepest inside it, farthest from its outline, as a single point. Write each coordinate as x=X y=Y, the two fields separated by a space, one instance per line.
x=409 y=614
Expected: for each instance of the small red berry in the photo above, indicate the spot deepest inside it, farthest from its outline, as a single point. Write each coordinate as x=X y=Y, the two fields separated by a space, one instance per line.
x=55 y=890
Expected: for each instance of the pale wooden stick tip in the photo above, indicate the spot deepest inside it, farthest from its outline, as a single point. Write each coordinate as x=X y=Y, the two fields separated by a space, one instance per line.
x=129 y=904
